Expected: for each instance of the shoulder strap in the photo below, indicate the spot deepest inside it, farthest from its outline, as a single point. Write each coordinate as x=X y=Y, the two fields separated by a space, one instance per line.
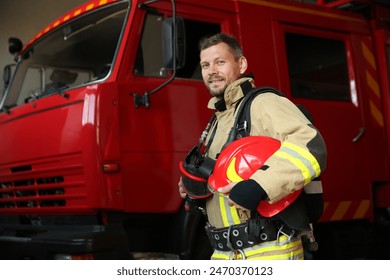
x=241 y=124
x=243 y=117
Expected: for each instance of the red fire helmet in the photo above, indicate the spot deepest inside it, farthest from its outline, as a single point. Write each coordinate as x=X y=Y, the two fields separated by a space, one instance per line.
x=239 y=160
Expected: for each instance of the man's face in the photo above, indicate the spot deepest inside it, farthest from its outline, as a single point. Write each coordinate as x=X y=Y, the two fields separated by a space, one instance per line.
x=220 y=68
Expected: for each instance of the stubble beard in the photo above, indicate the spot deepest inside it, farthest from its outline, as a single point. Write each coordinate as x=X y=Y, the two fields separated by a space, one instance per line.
x=217 y=93
x=215 y=90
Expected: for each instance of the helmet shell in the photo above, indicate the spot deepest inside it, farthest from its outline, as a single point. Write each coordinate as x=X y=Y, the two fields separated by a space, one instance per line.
x=240 y=160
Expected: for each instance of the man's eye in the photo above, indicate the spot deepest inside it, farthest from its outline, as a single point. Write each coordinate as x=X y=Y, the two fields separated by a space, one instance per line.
x=221 y=62
x=204 y=66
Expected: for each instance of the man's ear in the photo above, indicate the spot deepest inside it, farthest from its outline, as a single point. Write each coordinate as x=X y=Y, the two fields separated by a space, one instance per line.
x=243 y=64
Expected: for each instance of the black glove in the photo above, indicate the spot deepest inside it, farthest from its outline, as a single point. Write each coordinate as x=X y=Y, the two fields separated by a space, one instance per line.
x=248 y=194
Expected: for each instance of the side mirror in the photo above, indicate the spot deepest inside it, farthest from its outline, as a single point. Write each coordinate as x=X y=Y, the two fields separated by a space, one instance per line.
x=174 y=45
x=15 y=45
x=170 y=42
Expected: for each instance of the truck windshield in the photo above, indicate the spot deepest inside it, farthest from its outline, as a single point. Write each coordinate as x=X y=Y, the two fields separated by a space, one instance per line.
x=76 y=53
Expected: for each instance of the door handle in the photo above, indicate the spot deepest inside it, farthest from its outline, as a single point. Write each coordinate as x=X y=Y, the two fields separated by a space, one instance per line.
x=359 y=135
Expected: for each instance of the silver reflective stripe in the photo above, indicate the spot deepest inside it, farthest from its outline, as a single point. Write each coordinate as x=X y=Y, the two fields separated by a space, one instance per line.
x=313 y=187
x=299 y=157
x=228 y=213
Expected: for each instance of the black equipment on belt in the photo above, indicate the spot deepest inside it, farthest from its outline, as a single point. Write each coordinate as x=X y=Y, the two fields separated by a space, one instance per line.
x=255 y=231
x=196 y=168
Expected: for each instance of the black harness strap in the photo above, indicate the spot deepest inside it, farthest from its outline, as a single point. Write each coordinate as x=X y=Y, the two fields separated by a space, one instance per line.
x=243 y=117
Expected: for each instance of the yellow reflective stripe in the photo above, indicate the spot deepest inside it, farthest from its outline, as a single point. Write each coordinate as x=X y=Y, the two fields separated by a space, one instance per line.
x=228 y=213
x=231 y=172
x=306 y=155
x=305 y=172
x=302 y=159
x=223 y=210
x=236 y=218
x=273 y=246
x=268 y=251
x=221 y=256
x=293 y=255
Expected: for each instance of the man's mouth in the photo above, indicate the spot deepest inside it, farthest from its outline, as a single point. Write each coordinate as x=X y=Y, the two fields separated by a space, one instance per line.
x=215 y=81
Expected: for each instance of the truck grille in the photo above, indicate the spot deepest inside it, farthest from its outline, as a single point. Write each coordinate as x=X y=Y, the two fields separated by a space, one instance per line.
x=43 y=185
x=35 y=188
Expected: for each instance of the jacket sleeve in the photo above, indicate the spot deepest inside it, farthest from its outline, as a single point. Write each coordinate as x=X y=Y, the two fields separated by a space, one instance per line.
x=302 y=155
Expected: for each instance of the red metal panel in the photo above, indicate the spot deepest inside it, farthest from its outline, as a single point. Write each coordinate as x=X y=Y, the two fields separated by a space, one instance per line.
x=46 y=162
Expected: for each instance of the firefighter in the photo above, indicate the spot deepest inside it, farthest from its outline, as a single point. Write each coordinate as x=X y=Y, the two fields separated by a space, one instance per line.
x=235 y=228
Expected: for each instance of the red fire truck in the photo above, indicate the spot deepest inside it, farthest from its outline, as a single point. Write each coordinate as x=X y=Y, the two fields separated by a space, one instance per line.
x=102 y=104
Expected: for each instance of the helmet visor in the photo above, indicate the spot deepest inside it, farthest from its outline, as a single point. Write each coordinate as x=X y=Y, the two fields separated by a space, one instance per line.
x=194 y=186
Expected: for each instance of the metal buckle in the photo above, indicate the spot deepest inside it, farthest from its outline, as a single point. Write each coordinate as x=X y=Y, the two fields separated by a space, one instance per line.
x=229 y=243
x=281 y=232
x=242 y=126
x=233 y=251
x=233 y=254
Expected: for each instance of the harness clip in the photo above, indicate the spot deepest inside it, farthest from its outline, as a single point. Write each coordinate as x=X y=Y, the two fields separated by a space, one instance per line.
x=288 y=235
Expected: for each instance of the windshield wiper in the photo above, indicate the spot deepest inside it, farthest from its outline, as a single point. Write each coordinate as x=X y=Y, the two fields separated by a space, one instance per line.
x=50 y=91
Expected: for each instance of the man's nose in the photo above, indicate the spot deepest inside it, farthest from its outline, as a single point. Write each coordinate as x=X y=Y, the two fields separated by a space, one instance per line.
x=213 y=69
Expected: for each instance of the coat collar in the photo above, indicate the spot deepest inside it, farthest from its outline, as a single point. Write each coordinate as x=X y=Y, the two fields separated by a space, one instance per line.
x=233 y=93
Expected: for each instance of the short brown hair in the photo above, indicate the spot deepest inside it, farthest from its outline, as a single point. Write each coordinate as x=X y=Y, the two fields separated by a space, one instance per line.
x=229 y=40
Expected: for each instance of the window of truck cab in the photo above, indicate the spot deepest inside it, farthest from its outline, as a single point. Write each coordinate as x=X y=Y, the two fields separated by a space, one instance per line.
x=77 y=53
x=318 y=67
x=149 y=59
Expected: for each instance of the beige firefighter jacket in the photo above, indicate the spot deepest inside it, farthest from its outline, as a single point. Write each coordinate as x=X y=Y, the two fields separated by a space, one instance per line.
x=301 y=157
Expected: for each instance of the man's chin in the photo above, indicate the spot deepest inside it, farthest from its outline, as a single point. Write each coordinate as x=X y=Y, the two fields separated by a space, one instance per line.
x=217 y=93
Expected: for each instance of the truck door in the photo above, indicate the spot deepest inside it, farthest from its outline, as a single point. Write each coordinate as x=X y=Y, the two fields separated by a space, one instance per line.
x=155 y=139
x=382 y=45
x=321 y=71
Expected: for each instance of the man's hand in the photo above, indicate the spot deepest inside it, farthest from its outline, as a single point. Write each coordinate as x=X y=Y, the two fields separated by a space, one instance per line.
x=181 y=188
x=226 y=189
